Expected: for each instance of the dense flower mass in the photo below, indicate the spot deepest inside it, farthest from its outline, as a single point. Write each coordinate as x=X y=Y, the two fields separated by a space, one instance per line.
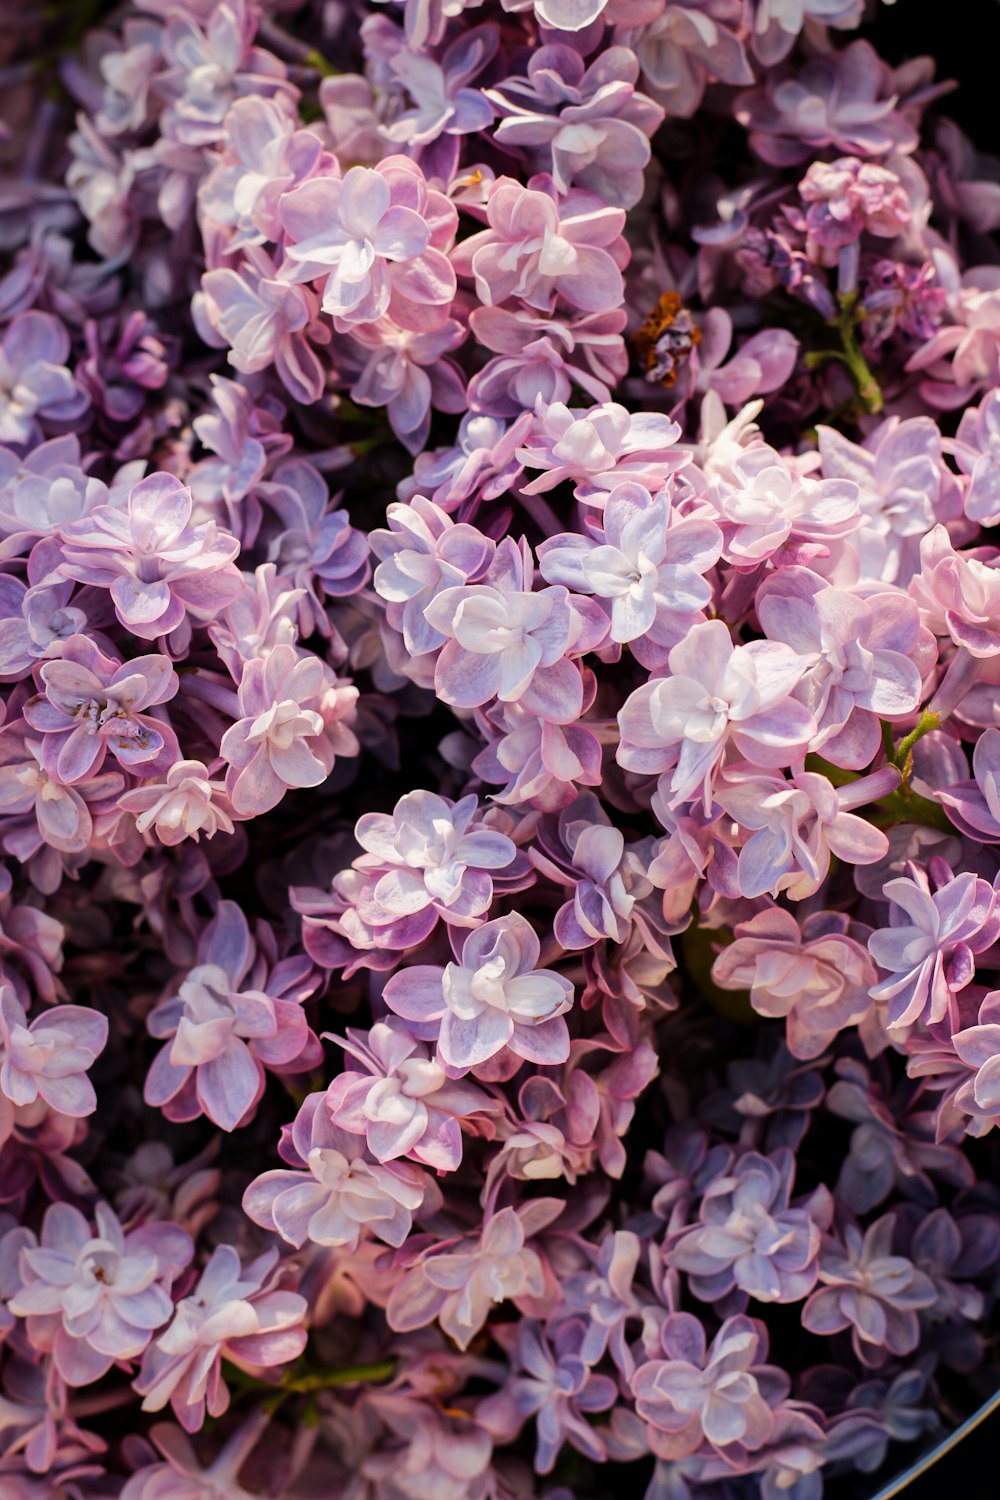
x=499 y=749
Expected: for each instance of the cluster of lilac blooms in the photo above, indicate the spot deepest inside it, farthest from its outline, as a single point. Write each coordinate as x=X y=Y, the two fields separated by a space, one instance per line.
x=499 y=750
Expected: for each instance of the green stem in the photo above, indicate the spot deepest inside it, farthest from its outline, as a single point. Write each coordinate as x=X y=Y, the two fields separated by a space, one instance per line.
x=375 y=1373
x=869 y=389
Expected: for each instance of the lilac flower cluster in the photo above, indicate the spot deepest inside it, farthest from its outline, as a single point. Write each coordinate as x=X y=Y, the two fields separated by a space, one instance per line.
x=499 y=750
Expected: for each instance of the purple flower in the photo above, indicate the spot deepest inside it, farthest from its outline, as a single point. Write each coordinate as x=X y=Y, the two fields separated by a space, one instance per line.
x=404 y=1103
x=552 y=1382
x=762 y=505
x=371 y=238
x=600 y=447
x=422 y=553
x=94 y=1296
x=296 y=719
x=48 y=1058
x=590 y=128
x=541 y=358
x=810 y=972
x=684 y=45
x=541 y=245
x=36 y=622
x=717 y=694
x=496 y=999
x=839 y=99
x=796 y=825
x=722 y=1395
x=91 y=704
x=405 y=372
x=264 y=157
x=158 y=567
x=458 y=1283
x=978 y=1047
x=335 y=1194
x=228 y=1022
x=186 y=804
x=751 y=1237
x=650 y=567
x=871 y=1291
x=318 y=550
x=861 y=668
x=848 y=198
x=35 y=385
x=443 y=104
x=504 y=640
x=928 y=950
x=777 y=24
x=244 y=1315
x=63 y=815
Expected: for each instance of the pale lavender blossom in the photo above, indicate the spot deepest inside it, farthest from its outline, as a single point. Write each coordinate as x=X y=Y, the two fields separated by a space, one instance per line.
x=422 y=553
x=813 y=973
x=928 y=950
x=444 y=108
x=796 y=825
x=264 y=156
x=751 y=1236
x=376 y=240
x=35 y=623
x=506 y=640
x=244 y=439
x=295 y=720
x=978 y=1047
x=840 y=99
x=408 y=373
x=862 y=659
x=763 y=504
x=63 y=815
x=541 y=358
x=229 y=1020
x=722 y=1395
x=317 y=549
x=905 y=488
x=871 y=1291
x=684 y=45
x=599 y=448
x=848 y=198
x=48 y=1058
x=429 y=858
x=552 y=1382
x=334 y=1194
x=96 y=1294
x=49 y=488
x=495 y=1001
x=589 y=127
x=208 y=65
x=457 y=1283
x=403 y=1103
x=606 y=1294
x=182 y=1477
x=541 y=245
x=974 y=806
x=158 y=567
x=91 y=704
x=265 y=321
x=242 y=1314
x=962 y=356
x=777 y=24
x=717 y=694
x=184 y=805
x=649 y=567
x=35 y=385
x=976 y=446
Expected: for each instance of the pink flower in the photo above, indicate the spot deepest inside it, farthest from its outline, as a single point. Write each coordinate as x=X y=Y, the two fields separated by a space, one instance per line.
x=229 y=1021
x=810 y=972
x=296 y=718
x=376 y=239
x=405 y=372
x=265 y=322
x=541 y=358
x=91 y=704
x=540 y=246
x=48 y=1058
x=94 y=1297
x=762 y=504
x=422 y=553
x=63 y=814
x=958 y=594
x=335 y=1195
x=35 y=385
x=848 y=198
x=264 y=156
x=717 y=694
x=158 y=567
x=243 y=1315
x=495 y=1000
